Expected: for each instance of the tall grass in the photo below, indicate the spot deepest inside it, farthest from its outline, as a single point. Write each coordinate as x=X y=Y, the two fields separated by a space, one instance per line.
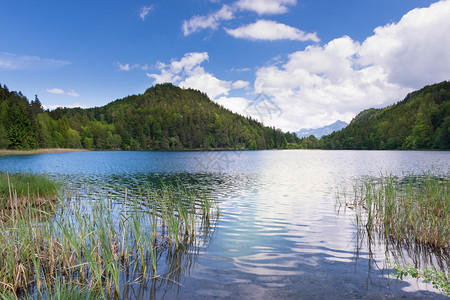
x=416 y=208
x=26 y=190
x=98 y=244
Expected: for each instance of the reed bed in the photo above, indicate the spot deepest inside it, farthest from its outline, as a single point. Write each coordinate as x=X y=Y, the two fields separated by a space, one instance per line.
x=415 y=208
x=26 y=190
x=90 y=247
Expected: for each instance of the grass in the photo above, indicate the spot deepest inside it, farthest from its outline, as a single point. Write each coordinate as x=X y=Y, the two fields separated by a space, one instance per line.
x=19 y=190
x=413 y=212
x=416 y=208
x=96 y=247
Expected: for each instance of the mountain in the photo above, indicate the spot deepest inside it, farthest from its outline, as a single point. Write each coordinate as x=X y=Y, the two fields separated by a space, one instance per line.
x=420 y=121
x=319 y=132
x=165 y=117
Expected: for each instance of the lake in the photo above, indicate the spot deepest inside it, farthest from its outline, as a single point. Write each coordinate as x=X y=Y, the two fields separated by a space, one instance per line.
x=280 y=233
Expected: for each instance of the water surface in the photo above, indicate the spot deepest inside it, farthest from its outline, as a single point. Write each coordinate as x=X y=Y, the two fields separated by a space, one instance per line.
x=280 y=233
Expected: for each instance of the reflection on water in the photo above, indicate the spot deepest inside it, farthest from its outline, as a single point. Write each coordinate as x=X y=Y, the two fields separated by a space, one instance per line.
x=278 y=235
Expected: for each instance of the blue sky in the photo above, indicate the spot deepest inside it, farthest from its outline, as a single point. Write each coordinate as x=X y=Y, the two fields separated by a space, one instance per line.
x=315 y=60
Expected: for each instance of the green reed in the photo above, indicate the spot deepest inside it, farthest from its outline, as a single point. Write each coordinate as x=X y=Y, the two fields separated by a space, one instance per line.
x=26 y=190
x=416 y=208
x=89 y=245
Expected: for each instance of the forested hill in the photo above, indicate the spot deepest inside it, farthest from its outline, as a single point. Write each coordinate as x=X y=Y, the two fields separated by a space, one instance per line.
x=420 y=121
x=165 y=117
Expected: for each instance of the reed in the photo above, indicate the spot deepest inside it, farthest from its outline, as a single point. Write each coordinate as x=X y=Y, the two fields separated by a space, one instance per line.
x=18 y=190
x=93 y=245
x=415 y=208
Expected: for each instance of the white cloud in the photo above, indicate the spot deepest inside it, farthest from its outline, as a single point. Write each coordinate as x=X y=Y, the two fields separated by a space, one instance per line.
x=240 y=84
x=235 y=104
x=227 y=12
x=265 y=6
x=72 y=93
x=145 y=10
x=125 y=67
x=188 y=73
x=207 y=83
x=62 y=92
x=197 y=23
x=55 y=91
x=414 y=51
x=271 y=30
x=128 y=67
x=240 y=69
x=320 y=84
x=9 y=61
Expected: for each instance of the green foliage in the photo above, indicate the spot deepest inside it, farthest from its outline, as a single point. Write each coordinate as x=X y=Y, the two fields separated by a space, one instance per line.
x=439 y=279
x=165 y=117
x=420 y=121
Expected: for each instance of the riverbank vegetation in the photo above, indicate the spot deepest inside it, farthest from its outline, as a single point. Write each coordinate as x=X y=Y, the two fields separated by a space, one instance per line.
x=96 y=246
x=415 y=208
x=39 y=151
x=25 y=190
x=411 y=213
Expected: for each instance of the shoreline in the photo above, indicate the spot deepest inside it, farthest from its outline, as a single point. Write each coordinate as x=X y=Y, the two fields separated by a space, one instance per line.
x=39 y=151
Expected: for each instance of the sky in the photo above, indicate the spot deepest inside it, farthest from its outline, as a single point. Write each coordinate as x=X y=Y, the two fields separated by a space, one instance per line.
x=291 y=64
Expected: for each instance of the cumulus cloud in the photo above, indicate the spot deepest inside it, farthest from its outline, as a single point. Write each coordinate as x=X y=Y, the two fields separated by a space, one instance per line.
x=414 y=51
x=188 y=73
x=271 y=31
x=144 y=11
x=197 y=23
x=10 y=61
x=235 y=104
x=62 y=92
x=320 y=84
x=207 y=83
x=265 y=6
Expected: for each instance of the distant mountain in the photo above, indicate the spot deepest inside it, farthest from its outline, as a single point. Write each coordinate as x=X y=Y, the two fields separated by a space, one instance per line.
x=420 y=121
x=319 y=132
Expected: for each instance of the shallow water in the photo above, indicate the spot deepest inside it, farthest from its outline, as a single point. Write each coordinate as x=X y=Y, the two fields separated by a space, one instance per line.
x=280 y=233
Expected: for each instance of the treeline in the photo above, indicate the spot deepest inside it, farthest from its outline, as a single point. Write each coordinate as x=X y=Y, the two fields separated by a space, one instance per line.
x=420 y=121
x=165 y=117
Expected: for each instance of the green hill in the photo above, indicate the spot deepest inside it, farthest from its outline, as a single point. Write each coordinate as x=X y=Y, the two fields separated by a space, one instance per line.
x=165 y=117
x=420 y=121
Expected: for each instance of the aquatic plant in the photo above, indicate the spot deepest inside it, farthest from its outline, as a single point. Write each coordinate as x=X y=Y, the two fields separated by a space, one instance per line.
x=410 y=214
x=439 y=279
x=415 y=208
x=26 y=190
x=98 y=244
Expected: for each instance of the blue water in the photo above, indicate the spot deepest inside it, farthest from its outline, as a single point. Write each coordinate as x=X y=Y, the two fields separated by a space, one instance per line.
x=280 y=234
